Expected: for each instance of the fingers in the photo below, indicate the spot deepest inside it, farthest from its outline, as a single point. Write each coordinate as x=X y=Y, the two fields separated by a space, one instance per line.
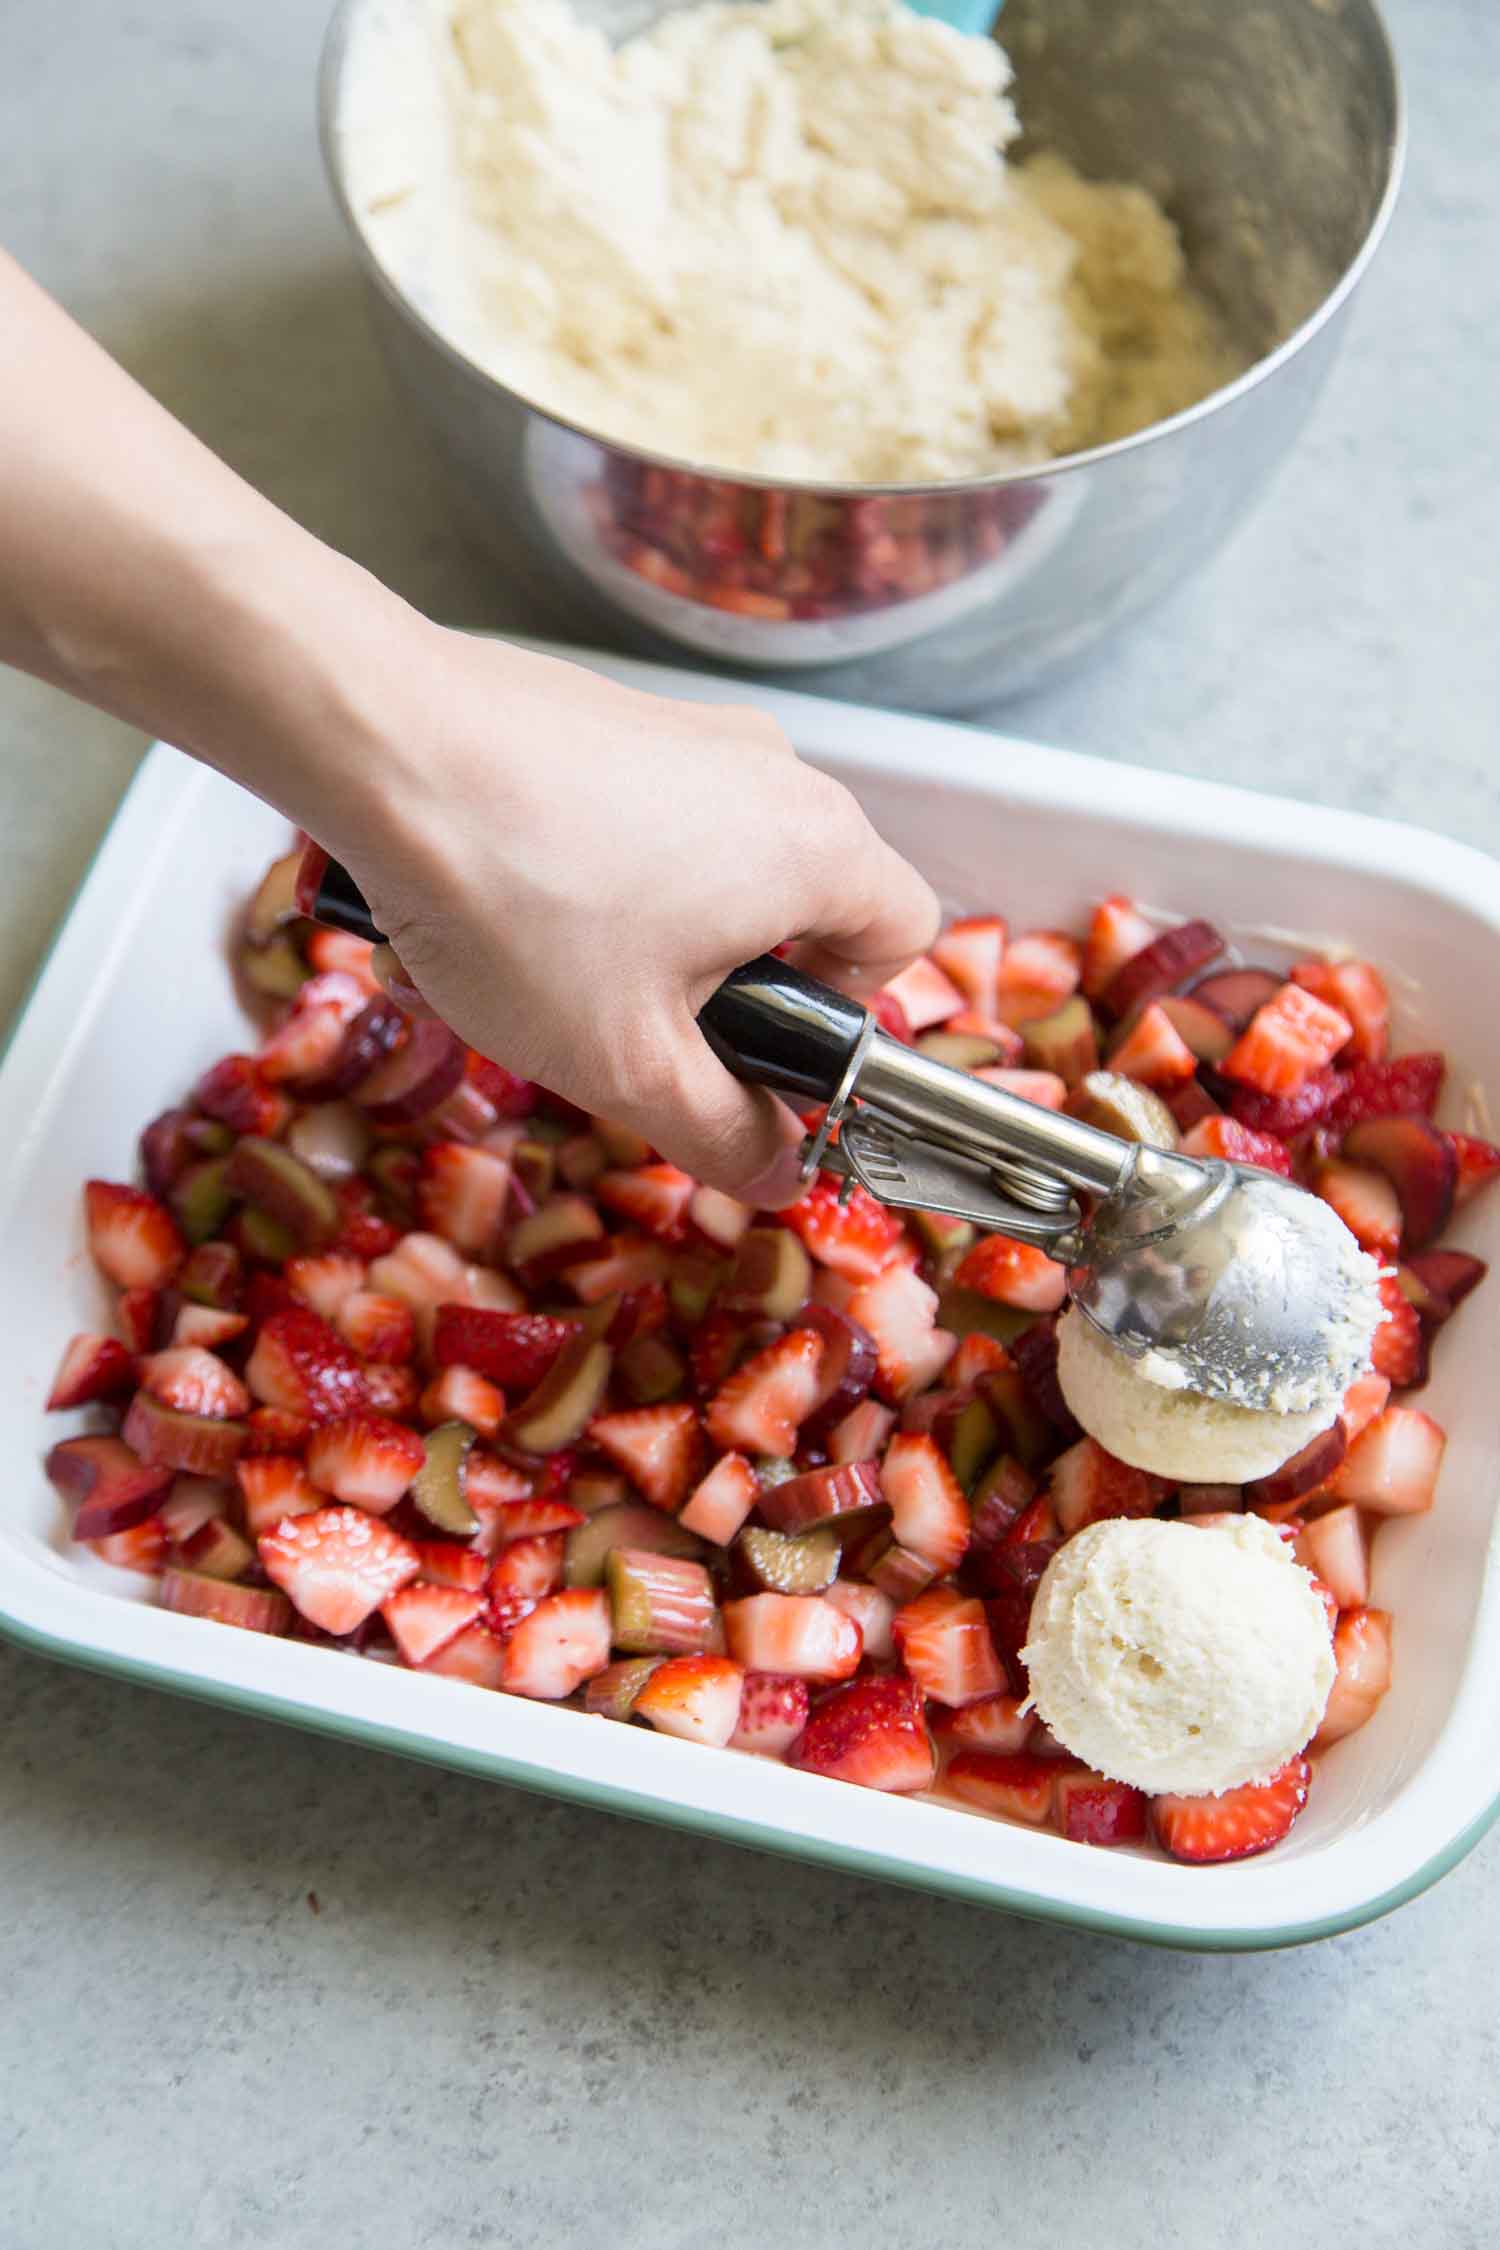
x=395 y=981
x=734 y=1137
x=871 y=915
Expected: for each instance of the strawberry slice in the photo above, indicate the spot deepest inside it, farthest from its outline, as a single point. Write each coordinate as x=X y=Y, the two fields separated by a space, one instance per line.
x=696 y=1698
x=658 y=1447
x=145 y=1548
x=1013 y=1273
x=723 y=1500
x=1089 y=1808
x=1399 y=1351
x=138 y=1311
x=1420 y=1164
x=1088 y=1484
x=1018 y=1787
x=1040 y=969
x=870 y=1733
x=303 y=1365
x=524 y=1572
x=1001 y=1724
x=340 y=949
x=476 y=1655
x=1285 y=1116
x=194 y=1381
x=800 y=1635
x=977 y=1355
x=458 y=1394
x=377 y=1327
x=929 y=1515
x=1043 y=1088
x=1235 y=1143
x=462 y=1195
x=559 y=1644
x=274 y=1485
x=1477 y=1164
x=514 y=1349
x=205 y=1325
x=759 y=1408
x=1362 y=1654
x=508 y=1096
x=1366 y=1202
x=1336 y=1549
x=653 y=1197
x=900 y=1312
x=442 y=1562
x=337 y=1565
x=856 y=1237
x=1153 y=1051
x=92 y=1367
x=1237 y=1824
x=969 y=953
x=305 y=1044
x=1288 y=1040
x=1118 y=931
x=1392 y=1467
x=1358 y=992
x=424 y=1618
x=944 y=1641
x=392 y=1390
x=133 y=1239
x=1407 y=1087
x=924 y=995
x=531 y=1519
x=235 y=1093
x=325 y=1281
x=872 y=1611
x=773 y=1712
x=365 y=1459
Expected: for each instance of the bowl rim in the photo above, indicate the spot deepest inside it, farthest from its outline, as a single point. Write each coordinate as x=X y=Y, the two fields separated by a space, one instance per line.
x=329 y=94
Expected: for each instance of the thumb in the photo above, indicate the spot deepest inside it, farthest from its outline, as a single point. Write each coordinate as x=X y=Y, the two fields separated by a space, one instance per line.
x=738 y=1138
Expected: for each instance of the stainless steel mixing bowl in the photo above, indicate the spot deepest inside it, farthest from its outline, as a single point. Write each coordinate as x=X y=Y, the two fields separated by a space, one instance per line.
x=1273 y=135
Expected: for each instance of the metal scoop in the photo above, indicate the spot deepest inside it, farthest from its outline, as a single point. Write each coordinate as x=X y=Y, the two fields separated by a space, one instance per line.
x=1233 y=1281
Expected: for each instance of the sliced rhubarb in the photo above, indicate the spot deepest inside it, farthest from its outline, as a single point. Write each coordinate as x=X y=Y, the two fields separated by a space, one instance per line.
x=1126 y=1108
x=202 y=1198
x=1306 y=1470
x=255 y=1609
x=206 y=1445
x=114 y=1489
x=92 y=1367
x=422 y=1072
x=775 y=1562
x=268 y=1175
x=1168 y=960
x=1064 y=1042
x=1445 y=1277
x=1236 y=994
x=631 y=1523
x=275 y=901
x=850 y=1493
x=562 y=1232
x=963 y=1050
x=216 y=1550
x=437 y=1489
x=771 y=1275
x=1420 y=1164
x=650 y=1370
x=611 y=1694
x=213 y=1274
x=847 y=1369
x=1198 y=1026
x=660 y=1605
x=564 y=1402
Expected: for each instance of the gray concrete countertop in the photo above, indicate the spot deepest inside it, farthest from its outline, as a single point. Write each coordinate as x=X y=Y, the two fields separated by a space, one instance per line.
x=262 y=1990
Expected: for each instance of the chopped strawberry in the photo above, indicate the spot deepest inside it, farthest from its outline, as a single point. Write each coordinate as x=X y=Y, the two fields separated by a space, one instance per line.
x=133 y=1239
x=340 y=949
x=1088 y=1484
x=1089 y=1808
x=1392 y=1468
x=458 y=1394
x=137 y=1311
x=977 y=1355
x=144 y=1547
x=1019 y=1787
x=1478 y=1163
x=872 y=1611
x=653 y=1197
x=924 y=995
x=1399 y=1351
x=773 y=1712
x=1001 y=1497
x=1154 y=1051
x=270 y=1429
x=1237 y=1824
x=999 y=1723
x=304 y=1045
x=1366 y=1202
x=462 y=1195
x=392 y=1390
x=891 y=1017
x=1409 y=1086
x=301 y=1364
x=272 y=1487
x=801 y=1635
x=870 y=1733
x=1287 y=1115
x=969 y=953
x=528 y=1519
x=1358 y=992
x=424 y=1618
x=759 y=1408
x=92 y=1367
x=1362 y=1655
x=723 y=1500
x=694 y=1697
x=365 y=1459
x=524 y=1572
x=944 y=1642
x=1235 y=1143
x=1042 y=1088
x=194 y=1381
x=900 y=1312
x=1366 y=1397
x=1118 y=931
x=658 y=1447
x=362 y=1232
x=1287 y=1040
x=1336 y=1549
x=376 y=1327
x=476 y=1655
x=235 y=1093
x=1013 y=1273
x=442 y=1562
x=929 y=1514
x=337 y=1565
x=559 y=1644
x=723 y=1219
x=1040 y=969
x=507 y=1095
x=325 y=1281
x=856 y=1237
x=514 y=1349
x=205 y=1325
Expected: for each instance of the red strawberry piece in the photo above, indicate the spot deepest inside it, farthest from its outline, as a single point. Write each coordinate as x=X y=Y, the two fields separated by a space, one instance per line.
x=1399 y=1351
x=513 y=1349
x=530 y=1519
x=871 y=1733
x=458 y=1394
x=1336 y=1549
x=720 y=1341
x=654 y=1197
x=997 y=1723
x=696 y=1698
x=1366 y=1202
x=306 y=1042
x=1477 y=1164
x=800 y=1635
x=629 y=1261
x=203 y=1444
x=325 y=1281
x=763 y=1403
x=1227 y=1138
x=1277 y=1495
x=377 y=1327
x=1420 y=1164
x=924 y=995
x=1287 y=1115
x=113 y=1488
x=337 y=1565
x=442 y=1562
x=462 y=1195
x=1287 y=1041
x=145 y=1548
x=476 y=1655
x=977 y=1355
x=856 y=1238
x=837 y=1490
x=1018 y=1787
x=194 y=1381
x=254 y=1609
x=1392 y=1467
x=1035 y=1532
x=1169 y=959
x=206 y=1326
x=1154 y=1051
x=133 y=1238
x=491 y=1484
x=524 y=1573
x=236 y=1094
x=1237 y=1824
x=266 y=1293
x=1008 y=1489
x=900 y=1312
x=722 y=1219
x=1365 y=1399
x=362 y=1232
x=1358 y=992
x=1118 y=931
x=138 y=1310
x=1091 y=1809
x=1040 y=969
x=1362 y=1654
x=91 y=1367
x=773 y=1712
x=929 y=1515
x=658 y=1447
x=392 y=1390
x=269 y=1429
x=340 y=949
x=944 y=1641
x=871 y=1610
x=559 y=1644
x=1013 y=1273
x=1410 y=1086
x=723 y=1500
x=507 y=1095
x=1044 y=1089
x=365 y=1459
x=891 y=1017
x=368 y=1037
x=1088 y=1484
x=969 y=953
x=424 y=1618
x=862 y=1434
x=641 y=1312
x=301 y=1364
x=1190 y=1104
x=1445 y=1278
x=1008 y=1044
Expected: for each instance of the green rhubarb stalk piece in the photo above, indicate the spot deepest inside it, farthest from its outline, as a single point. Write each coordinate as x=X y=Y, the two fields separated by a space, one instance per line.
x=438 y=1487
x=778 y=1562
x=275 y=1181
x=660 y=1605
x=564 y=1401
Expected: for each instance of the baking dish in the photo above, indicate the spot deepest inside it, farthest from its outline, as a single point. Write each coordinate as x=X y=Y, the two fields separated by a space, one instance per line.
x=136 y=998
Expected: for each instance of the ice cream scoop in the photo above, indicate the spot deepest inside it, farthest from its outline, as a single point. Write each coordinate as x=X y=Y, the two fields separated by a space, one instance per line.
x=1179 y=1658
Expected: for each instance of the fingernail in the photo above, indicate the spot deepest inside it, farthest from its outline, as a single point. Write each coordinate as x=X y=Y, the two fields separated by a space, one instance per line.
x=781 y=1182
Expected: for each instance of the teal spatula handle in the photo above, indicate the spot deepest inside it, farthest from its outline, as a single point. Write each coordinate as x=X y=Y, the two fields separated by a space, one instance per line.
x=977 y=16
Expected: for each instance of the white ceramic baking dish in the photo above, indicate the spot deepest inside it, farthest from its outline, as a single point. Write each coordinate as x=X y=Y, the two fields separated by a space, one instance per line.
x=135 y=999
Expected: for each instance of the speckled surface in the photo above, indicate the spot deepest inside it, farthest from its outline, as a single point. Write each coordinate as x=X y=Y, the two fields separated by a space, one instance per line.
x=511 y=2023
